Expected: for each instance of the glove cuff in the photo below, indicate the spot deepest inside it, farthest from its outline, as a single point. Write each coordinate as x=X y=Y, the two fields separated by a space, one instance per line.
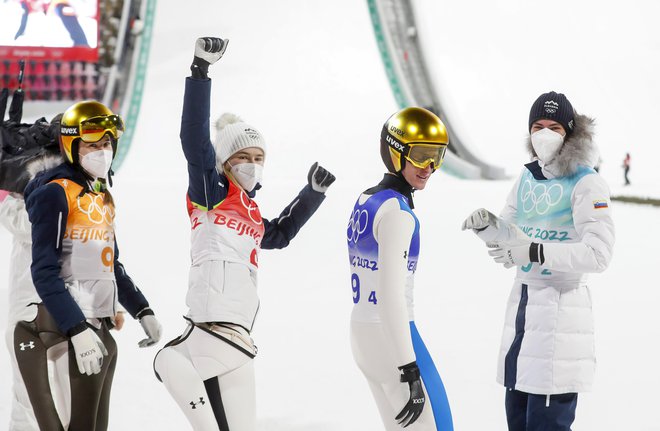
x=409 y=372
x=146 y=311
x=200 y=68
x=536 y=253
x=79 y=328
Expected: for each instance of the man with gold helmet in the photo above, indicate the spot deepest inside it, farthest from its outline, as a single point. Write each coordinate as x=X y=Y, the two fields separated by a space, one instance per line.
x=77 y=274
x=383 y=246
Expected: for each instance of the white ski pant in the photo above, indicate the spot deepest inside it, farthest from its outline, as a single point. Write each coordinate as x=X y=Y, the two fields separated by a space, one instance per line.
x=372 y=354
x=210 y=375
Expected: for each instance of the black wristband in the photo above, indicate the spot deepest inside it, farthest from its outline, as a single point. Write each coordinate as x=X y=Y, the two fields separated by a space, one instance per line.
x=536 y=253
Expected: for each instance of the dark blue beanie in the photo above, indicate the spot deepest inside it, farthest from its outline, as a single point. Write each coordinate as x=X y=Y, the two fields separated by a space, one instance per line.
x=553 y=106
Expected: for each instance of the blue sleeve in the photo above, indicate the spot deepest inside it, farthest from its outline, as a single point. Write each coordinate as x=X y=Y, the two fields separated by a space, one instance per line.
x=129 y=295
x=280 y=231
x=206 y=188
x=48 y=211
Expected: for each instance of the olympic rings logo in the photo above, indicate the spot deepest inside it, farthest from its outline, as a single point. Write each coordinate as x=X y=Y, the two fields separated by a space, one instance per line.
x=95 y=211
x=251 y=207
x=540 y=198
x=357 y=225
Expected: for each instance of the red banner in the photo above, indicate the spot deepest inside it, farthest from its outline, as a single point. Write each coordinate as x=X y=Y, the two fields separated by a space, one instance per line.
x=38 y=53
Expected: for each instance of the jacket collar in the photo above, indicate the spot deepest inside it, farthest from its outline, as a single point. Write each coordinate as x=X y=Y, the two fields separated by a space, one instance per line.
x=397 y=183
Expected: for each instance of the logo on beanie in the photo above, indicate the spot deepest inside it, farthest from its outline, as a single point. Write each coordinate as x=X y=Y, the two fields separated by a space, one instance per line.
x=252 y=134
x=550 y=106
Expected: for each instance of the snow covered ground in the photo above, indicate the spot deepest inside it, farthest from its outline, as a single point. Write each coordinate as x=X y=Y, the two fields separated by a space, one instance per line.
x=317 y=91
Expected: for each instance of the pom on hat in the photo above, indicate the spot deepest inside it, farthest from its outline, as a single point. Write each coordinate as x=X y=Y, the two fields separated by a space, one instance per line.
x=553 y=106
x=233 y=135
x=226 y=119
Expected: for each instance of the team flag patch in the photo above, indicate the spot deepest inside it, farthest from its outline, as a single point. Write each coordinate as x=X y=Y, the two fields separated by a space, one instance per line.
x=600 y=204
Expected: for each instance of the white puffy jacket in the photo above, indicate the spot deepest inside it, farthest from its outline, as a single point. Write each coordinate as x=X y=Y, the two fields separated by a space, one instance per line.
x=548 y=339
x=21 y=290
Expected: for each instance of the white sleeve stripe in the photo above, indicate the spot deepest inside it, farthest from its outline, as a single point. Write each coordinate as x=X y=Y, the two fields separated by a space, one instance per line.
x=59 y=231
x=293 y=205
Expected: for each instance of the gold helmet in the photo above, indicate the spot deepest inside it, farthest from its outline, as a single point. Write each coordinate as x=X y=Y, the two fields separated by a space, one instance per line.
x=88 y=121
x=416 y=135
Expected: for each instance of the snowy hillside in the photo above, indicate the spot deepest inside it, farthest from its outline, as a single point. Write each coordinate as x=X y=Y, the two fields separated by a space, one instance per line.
x=317 y=91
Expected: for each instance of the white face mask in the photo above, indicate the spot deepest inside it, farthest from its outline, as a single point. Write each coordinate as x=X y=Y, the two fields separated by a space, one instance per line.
x=248 y=175
x=97 y=163
x=546 y=144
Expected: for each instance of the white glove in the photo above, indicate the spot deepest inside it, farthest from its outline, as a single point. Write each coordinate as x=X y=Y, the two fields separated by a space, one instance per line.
x=484 y=224
x=511 y=255
x=480 y=219
x=492 y=229
x=89 y=351
x=152 y=328
x=210 y=49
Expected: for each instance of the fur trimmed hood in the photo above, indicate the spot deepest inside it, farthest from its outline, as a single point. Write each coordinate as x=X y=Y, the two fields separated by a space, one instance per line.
x=47 y=161
x=578 y=149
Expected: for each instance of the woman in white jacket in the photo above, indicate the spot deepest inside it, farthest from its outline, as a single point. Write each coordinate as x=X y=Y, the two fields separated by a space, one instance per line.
x=556 y=227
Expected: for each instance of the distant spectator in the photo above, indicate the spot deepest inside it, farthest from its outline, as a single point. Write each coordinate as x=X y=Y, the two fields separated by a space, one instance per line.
x=626 y=169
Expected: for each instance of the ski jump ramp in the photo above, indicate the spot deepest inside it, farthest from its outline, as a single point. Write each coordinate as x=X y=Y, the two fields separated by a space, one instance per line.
x=407 y=72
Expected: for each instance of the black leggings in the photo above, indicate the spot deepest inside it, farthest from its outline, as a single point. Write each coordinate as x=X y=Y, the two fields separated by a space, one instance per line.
x=90 y=395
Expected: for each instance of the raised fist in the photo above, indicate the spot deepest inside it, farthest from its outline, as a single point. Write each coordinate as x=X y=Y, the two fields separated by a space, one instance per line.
x=319 y=178
x=208 y=50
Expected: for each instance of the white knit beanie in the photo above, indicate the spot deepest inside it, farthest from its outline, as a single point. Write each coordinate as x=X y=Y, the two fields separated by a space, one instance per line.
x=234 y=135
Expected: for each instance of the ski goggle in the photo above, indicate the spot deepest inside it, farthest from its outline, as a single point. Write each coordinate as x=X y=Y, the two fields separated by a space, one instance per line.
x=422 y=155
x=93 y=129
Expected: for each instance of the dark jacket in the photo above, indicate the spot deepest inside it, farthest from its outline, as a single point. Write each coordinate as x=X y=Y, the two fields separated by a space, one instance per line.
x=207 y=187
x=48 y=209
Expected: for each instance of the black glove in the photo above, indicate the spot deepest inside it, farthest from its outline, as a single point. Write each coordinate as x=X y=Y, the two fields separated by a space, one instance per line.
x=413 y=408
x=319 y=178
x=208 y=50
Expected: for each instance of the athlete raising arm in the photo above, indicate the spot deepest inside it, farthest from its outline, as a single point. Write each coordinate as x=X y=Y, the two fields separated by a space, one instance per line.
x=209 y=369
